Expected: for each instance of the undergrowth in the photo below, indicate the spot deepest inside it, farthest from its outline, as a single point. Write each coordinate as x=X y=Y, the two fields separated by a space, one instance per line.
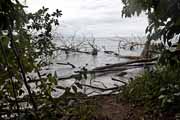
x=157 y=90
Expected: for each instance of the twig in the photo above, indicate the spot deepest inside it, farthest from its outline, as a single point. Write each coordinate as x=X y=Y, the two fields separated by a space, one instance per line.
x=101 y=83
x=114 y=79
x=73 y=66
x=92 y=93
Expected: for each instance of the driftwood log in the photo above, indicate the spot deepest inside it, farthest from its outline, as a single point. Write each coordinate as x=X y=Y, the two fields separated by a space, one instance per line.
x=123 y=56
x=101 y=89
x=123 y=64
x=76 y=50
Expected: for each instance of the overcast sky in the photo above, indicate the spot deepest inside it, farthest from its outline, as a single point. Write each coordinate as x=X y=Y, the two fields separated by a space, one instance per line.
x=100 y=18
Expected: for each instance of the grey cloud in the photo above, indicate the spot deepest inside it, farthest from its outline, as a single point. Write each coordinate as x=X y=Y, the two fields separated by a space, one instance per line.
x=99 y=17
x=85 y=7
x=109 y=27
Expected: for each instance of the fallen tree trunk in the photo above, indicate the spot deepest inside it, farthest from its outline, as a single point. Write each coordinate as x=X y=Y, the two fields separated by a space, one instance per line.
x=130 y=57
x=141 y=64
x=101 y=89
x=101 y=71
x=123 y=56
x=122 y=64
x=74 y=50
x=114 y=69
x=138 y=64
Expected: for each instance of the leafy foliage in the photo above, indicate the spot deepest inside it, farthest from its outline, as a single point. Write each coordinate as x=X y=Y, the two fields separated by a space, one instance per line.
x=163 y=17
x=42 y=22
x=158 y=90
x=25 y=46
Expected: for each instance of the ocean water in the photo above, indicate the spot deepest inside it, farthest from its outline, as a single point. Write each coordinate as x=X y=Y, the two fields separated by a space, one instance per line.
x=89 y=61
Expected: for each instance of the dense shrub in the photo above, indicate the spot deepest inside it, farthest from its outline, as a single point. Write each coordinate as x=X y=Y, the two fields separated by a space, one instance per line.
x=156 y=90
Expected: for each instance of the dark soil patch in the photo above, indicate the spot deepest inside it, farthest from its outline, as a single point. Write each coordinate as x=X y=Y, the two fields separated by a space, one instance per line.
x=110 y=108
x=113 y=108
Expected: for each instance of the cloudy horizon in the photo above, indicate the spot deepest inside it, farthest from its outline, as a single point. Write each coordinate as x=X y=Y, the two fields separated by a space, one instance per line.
x=100 y=18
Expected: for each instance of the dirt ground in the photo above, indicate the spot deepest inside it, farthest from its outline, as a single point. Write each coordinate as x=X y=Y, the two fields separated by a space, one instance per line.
x=111 y=108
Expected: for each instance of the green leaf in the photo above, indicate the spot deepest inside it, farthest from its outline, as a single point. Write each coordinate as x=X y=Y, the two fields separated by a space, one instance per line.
x=4 y=41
